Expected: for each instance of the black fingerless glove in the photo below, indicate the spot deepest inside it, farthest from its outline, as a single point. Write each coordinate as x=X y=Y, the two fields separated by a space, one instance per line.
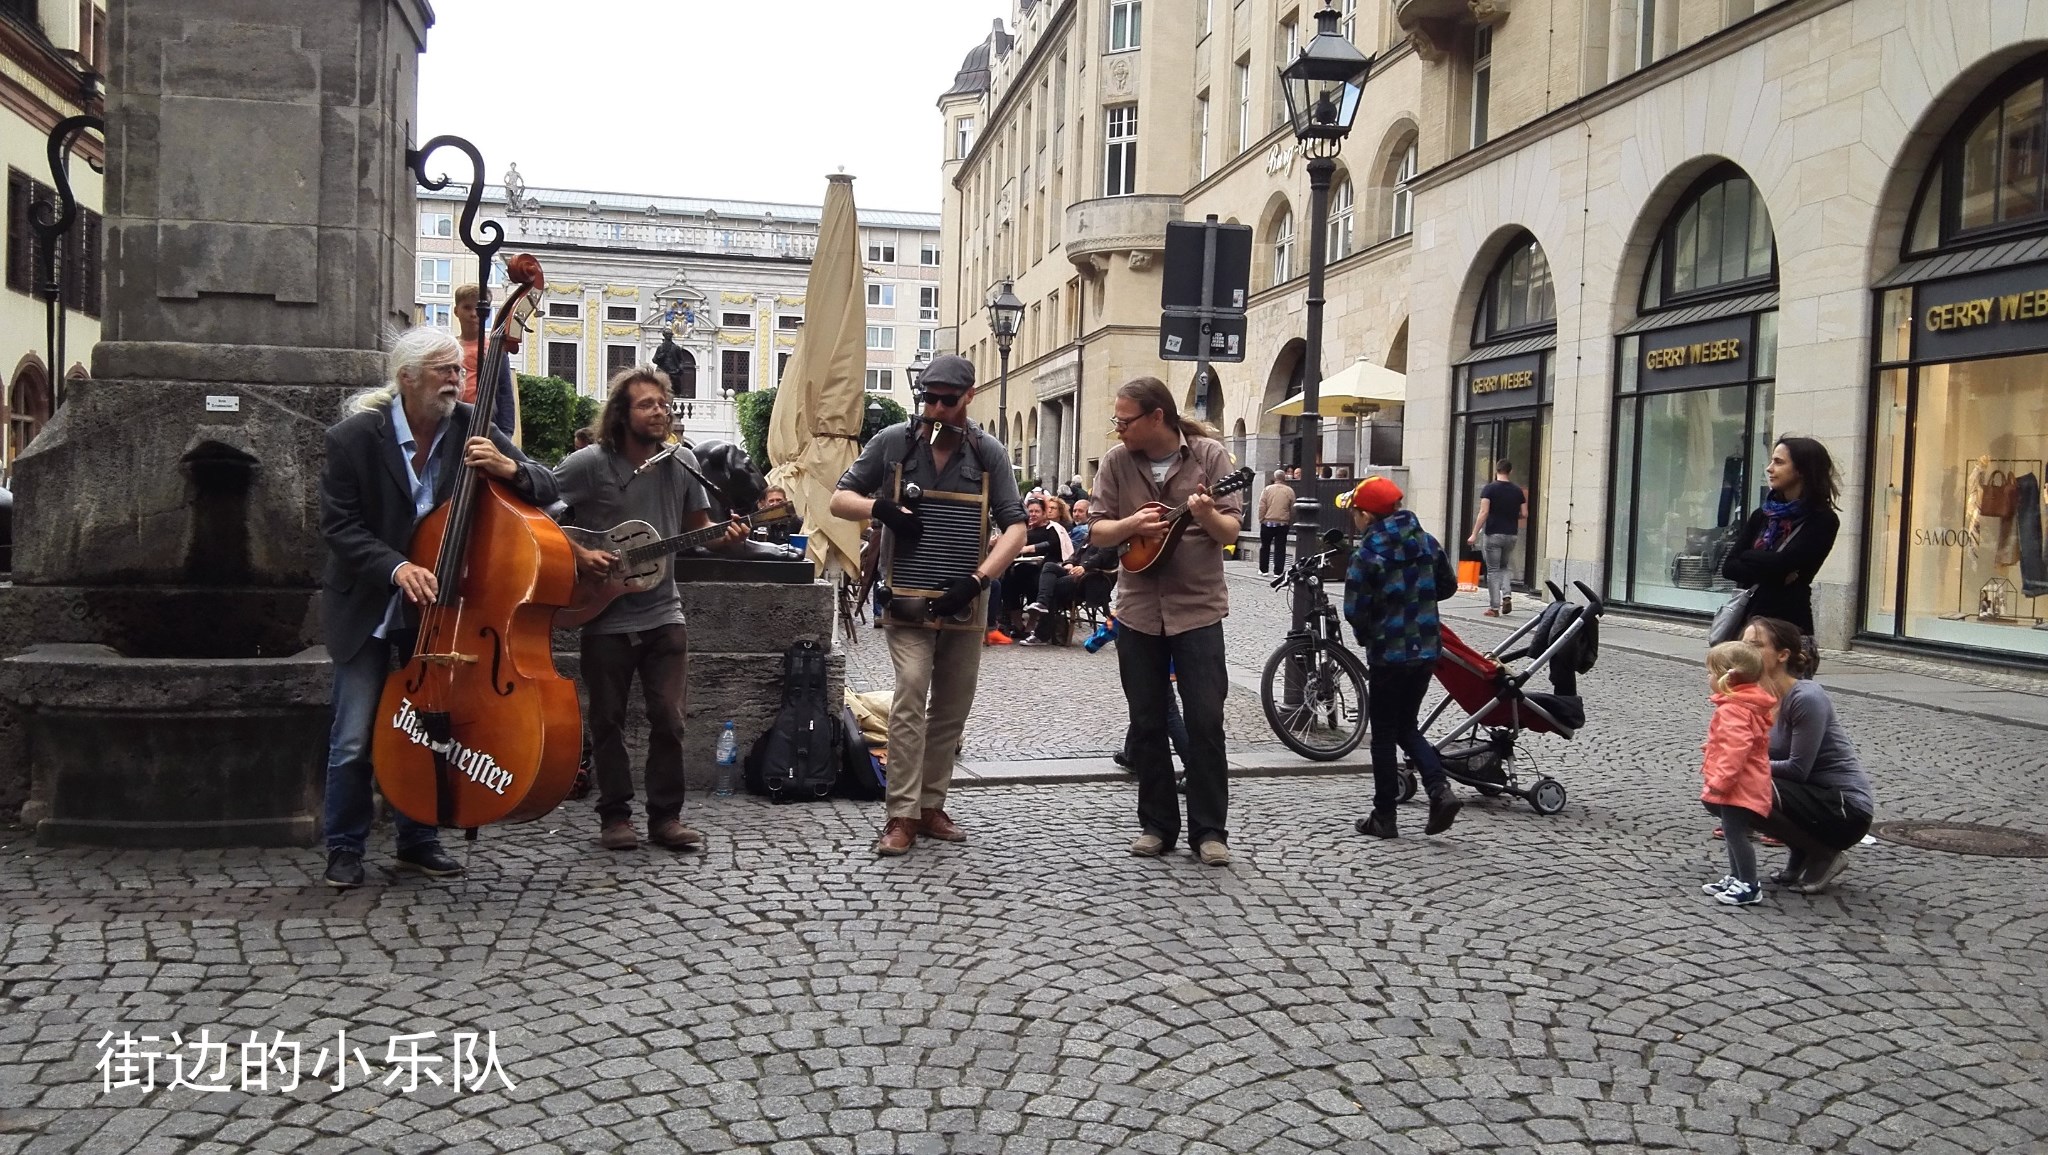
x=960 y=593
x=902 y=522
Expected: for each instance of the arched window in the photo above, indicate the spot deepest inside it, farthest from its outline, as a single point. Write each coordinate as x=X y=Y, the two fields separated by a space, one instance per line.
x=1987 y=179
x=1718 y=242
x=28 y=406
x=1341 y=199
x=1519 y=294
x=1283 y=247
x=1403 y=198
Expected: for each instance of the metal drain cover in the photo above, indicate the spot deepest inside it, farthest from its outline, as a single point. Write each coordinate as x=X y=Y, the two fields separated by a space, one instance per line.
x=1965 y=838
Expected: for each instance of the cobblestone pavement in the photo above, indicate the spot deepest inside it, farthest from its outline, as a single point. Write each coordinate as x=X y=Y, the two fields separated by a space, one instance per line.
x=1520 y=984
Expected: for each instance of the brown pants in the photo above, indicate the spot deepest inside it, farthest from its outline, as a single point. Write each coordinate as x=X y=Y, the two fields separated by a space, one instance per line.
x=935 y=675
x=610 y=662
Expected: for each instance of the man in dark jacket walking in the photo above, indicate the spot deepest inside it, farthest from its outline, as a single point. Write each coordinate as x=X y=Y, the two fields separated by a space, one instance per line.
x=1390 y=597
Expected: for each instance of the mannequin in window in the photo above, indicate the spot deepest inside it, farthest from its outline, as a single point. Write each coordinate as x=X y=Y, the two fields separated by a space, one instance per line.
x=1731 y=488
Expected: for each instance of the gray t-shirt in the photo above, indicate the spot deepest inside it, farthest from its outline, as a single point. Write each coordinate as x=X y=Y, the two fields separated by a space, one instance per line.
x=1809 y=745
x=601 y=491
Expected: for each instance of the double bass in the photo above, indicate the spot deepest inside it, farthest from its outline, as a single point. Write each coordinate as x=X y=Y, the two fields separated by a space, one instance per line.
x=478 y=727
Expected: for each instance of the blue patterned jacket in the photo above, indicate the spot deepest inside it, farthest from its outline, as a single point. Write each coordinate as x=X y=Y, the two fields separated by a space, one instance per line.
x=1397 y=576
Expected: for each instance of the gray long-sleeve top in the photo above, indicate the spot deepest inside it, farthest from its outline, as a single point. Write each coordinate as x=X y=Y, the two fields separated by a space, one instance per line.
x=1809 y=745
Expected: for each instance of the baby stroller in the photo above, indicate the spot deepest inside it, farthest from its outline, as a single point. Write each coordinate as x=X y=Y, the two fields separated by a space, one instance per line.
x=1499 y=707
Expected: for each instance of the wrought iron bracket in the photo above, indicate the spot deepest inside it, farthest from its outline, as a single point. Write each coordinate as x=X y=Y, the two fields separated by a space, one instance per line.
x=472 y=238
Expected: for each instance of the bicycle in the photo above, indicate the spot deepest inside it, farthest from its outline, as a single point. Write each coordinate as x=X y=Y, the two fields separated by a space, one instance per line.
x=1314 y=688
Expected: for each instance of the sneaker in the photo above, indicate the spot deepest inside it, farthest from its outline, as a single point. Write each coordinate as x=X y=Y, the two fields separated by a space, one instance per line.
x=1032 y=640
x=1037 y=608
x=1822 y=875
x=344 y=869
x=1740 y=894
x=1214 y=852
x=618 y=836
x=429 y=860
x=1713 y=889
x=1507 y=605
x=1124 y=760
x=1489 y=613
x=998 y=638
x=1442 y=812
x=1379 y=824
x=1148 y=846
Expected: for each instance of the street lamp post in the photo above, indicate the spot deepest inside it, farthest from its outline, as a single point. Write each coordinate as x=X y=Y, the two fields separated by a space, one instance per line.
x=1323 y=86
x=1005 y=313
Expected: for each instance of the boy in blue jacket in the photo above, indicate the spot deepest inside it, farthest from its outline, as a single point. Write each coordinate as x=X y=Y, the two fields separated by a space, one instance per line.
x=1396 y=578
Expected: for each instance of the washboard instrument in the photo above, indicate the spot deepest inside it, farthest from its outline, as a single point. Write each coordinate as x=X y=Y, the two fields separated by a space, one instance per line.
x=954 y=542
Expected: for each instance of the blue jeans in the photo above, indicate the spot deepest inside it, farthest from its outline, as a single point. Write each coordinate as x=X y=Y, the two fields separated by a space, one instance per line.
x=1195 y=658
x=1496 y=549
x=358 y=684
x=1393 y=702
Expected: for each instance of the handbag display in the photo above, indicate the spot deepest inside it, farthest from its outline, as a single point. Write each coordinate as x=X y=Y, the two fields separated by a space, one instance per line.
x=1997 y=499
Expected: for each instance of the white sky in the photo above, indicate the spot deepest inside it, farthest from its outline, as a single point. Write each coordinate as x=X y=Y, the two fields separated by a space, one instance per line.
x=702 y=98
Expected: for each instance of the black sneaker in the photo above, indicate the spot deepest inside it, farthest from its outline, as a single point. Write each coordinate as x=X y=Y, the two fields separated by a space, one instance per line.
x=429 y=860
x=344 y=868
x=1379 y=824
x=1442 y=812
x=1124 y=760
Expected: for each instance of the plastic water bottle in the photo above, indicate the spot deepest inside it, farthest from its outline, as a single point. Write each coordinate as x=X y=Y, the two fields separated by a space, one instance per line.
x=728 y=762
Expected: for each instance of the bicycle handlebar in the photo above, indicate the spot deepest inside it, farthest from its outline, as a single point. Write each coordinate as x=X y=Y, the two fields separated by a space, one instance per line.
x=1303 y=568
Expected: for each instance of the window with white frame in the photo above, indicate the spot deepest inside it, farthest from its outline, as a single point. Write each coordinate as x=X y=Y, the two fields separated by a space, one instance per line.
x=1347 y=21
x=927 y=341
x=928 y=254
x=927 y=302
x=1482 y=82
x=882 y=252
x=1208 y=16
x=562 y=358
x=1120 y=151
x=789 y=322
x=781 y=366
x=963 y=137
x=436 y=277
x=1341 y=201
x=1125 y=17
x=1646 y=33
x=439 y=316
x=735 y=321
x=621 y=312
x=1202 y=137
x=881 y=296
x=565 y=310
x=433 y=224
x=617 y=357
x=1287 y=46
x=881 y=337
x=1404 y=197
x=1283 y=247
x=881 y=380
x=736 y=370
x=1244 y=106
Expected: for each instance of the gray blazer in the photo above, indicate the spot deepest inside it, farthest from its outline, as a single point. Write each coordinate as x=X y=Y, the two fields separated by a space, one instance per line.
x=366 y=515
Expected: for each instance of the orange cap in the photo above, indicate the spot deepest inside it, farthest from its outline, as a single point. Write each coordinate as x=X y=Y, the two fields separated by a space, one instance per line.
x=1375 y=495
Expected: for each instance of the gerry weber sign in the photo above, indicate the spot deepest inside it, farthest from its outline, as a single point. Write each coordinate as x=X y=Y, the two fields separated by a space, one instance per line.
x=1711 y=353
x=2002 y=311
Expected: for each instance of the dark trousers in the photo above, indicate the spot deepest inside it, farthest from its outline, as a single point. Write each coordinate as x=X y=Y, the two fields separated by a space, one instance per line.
x=1148 y=665
x=2027 y=521
x=1273 y=547
x=1394 y=693
x=610 y=662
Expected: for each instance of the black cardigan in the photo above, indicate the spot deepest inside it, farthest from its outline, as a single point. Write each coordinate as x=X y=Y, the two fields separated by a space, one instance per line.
x=1783 y=577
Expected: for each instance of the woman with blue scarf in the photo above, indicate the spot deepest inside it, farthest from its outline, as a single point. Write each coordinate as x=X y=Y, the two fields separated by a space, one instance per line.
x=1785 y=541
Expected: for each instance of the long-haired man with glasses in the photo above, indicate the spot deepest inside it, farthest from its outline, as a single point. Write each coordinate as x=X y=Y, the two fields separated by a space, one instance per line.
x=1170 y=618
x=935 y=669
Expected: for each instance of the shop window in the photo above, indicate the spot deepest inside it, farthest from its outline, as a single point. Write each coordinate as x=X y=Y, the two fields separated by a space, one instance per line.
x=1987 y=179
x=1519 y=294
x=1719 y=241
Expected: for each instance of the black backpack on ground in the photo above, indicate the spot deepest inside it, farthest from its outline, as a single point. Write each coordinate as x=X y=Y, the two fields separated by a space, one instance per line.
x=798 y=757
x=861 y=778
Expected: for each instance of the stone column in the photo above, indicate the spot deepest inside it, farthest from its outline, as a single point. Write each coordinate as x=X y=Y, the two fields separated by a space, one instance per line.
x=259 y=215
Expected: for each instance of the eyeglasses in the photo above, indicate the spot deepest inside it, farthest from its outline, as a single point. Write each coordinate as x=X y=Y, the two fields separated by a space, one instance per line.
x=454 y=370
x=1123 y=423
x=948 y=400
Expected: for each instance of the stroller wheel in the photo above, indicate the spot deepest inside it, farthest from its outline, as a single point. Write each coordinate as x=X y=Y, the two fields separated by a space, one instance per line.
x=1409 y=784
x=1546 y=796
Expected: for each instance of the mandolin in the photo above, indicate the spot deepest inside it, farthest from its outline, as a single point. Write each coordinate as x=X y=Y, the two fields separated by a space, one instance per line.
x=1140 y=556
x=643 y=556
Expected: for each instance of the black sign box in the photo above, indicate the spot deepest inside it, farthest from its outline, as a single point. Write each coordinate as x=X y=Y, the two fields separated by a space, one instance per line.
x=1180 y=282
x=1714 y=352
x=2002 y=311
x=1504 y=383
x=1180 y=337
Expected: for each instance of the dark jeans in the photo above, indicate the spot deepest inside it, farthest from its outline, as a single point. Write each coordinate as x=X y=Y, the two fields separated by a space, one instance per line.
x=610 y=662
x=1144 y=662
x=1812 y=819
x=345 y=816
x=1394 y=693
x=2027 y=516
x=1273 y=547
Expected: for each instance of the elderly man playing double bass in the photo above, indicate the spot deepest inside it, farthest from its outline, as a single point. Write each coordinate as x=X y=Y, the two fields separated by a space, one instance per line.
x=389 y=463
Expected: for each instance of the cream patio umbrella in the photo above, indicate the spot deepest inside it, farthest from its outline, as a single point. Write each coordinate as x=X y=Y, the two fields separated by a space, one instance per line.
x=1357 y=389
x=813 y=432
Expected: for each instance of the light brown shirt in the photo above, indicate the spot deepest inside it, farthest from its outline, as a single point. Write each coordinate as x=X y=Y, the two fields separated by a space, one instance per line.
x=1186 y=591
x=1276 y=504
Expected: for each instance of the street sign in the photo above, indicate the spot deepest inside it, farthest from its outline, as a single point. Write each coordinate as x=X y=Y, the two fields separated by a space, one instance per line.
x=1202 y=291
x=1180 y=337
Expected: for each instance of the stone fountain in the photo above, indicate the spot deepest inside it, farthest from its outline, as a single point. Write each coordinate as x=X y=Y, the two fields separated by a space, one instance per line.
x=166 y=685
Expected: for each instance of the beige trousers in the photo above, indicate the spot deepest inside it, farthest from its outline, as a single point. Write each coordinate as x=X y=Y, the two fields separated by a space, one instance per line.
x=935 y=676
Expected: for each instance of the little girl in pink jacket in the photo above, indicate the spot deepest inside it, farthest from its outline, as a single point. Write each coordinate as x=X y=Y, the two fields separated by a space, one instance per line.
x=1737 y=763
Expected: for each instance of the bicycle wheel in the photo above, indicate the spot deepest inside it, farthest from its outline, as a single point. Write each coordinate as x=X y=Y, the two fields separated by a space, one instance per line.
x=1314 y=695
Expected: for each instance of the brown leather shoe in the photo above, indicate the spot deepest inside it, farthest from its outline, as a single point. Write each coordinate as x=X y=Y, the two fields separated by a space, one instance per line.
x=618 y=836
x=671 y=833
x=897 y=837
x=935 y=824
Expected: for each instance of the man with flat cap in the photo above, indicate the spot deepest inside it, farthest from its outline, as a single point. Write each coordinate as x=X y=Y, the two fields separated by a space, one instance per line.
x=935 y=667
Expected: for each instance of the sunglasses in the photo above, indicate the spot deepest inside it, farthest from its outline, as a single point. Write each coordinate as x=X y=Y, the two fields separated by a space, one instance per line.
x=947 y=400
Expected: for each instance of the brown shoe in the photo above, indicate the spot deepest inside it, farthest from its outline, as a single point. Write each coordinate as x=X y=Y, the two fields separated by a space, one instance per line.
x=935 y=824
x=897 y=837
x=671 y=833
x=618 y=836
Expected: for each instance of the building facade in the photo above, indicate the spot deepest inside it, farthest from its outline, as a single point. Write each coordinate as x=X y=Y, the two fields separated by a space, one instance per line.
x=51 y=59
x=1625 y=244
x=725 y=279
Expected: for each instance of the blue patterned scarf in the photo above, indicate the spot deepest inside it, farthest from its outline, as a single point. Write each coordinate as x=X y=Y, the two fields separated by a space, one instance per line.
x=1779 y=518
